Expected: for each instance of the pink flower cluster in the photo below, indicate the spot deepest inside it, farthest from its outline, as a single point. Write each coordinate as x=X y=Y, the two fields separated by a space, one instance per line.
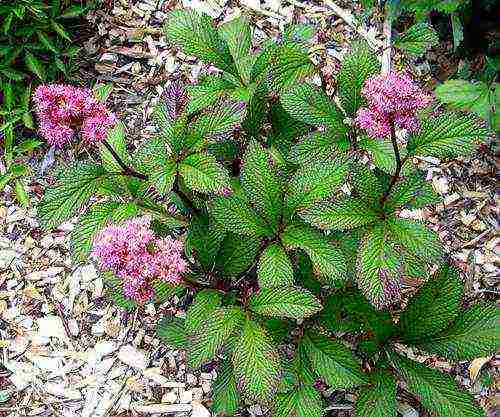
x=62 y=109
x=134 y=254
x=391 y=97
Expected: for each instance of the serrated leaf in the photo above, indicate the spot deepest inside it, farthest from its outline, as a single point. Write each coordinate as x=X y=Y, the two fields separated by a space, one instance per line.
x=204 y=239
x=98 y=216
x=170 y=331
x=366 y=184
x=59 y=29
x=286 y=302
x=434 y=307
x=342 y=214
x=34 y=65
x=237 y=254
x=274 y=268
x=319 y=146
x=47 y=42
x=116 y=139
x=447 y=135
x=256 y=363
x=312 y=183
x=220 y=119
x=379 y=267
x=356 y=67
x=416 y=238
x=412 y=192
x=238 y=37
x=304 y=401
x=207 y=92
x=74 y=187
x=333 y=361
x=328 y=261
x=379 y=398
x=197 y=36
x=235 y=215
x=311 y=105
x=382 y=154
x=475 y=333
x=261 y=183
x=289 y=64
x=225 y=396
x=214 y=332
x=201 y=172
x=417 y=39
x=438 y=393
x=205 y=302
x=299 y=32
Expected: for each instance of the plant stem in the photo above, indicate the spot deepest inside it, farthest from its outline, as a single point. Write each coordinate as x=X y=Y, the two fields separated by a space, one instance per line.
x=126 y=169
x=399 y=164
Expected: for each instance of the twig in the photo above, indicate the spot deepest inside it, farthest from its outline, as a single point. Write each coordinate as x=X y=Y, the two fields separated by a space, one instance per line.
x=351 y=21
x=387 y=47
x=126 y=169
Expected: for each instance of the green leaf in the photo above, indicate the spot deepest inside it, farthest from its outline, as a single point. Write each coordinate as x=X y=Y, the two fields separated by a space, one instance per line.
x=75 y=186
x=382 y=154
x=447 y=135
x=98 y=216
x=47 y=42
x=219 y=119
x=102 y=91
x=299 y=32
x=12 y=74
x=256 y=363
x=225 y=396
x=417 y=39
x=260 y=180
x=475 y=333
x=434 y=307
x=204 y=174
x=237 y=254
x=319 y=146
x=204 y=304
x=21 y=194
x=214 y=332
x=333 y=361
x=116 y=139
x=207 y=92
x=289 y=65
x=304 y=401
x=328 y=261
x=274 y=268
x=286 y=302
x=203 y=241
x=365 y=183
x=235 y=215
x=438 y=393
x=379 y=267
x=196 y=35
x=73 y=11
x=311 y=105
x=416 y=238
x=238 y=37
x=379 y=398
x=349 y=311
x=412 y=192
x=312 y=183
x=356 y=67
x=343 y=214
x=477 y=97
x=34 y=65
x=457 y=30
x=171 y=331
x=59 y=29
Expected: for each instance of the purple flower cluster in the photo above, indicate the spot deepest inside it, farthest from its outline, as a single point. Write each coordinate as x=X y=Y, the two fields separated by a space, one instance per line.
x=391 y=98
x=134 y=254
x=62 y=109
